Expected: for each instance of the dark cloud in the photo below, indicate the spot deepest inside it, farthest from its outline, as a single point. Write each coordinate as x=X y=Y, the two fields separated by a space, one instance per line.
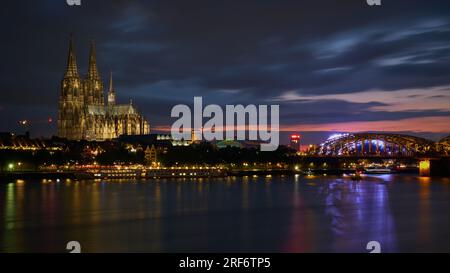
x=164 y=52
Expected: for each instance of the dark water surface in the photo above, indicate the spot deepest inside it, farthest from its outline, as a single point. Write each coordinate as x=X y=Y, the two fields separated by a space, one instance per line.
x=262 y=214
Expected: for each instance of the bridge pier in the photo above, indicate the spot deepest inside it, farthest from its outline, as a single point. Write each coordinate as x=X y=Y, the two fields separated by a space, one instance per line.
x=434 y=167
x=424 y=168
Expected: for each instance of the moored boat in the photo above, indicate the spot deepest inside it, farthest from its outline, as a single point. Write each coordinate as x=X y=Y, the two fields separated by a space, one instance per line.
x=377 y=169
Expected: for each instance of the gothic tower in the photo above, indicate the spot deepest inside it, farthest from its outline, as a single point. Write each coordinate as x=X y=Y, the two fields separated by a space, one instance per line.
x=93 y=86
x=71 y=100
x=82 y=113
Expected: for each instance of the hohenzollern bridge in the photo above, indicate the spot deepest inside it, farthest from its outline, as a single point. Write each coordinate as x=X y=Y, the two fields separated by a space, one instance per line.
x=381 y=145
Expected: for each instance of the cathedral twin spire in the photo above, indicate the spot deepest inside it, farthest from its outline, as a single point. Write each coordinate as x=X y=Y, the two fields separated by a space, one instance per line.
x=93 y=70
x=92 y=74
x=72 y=69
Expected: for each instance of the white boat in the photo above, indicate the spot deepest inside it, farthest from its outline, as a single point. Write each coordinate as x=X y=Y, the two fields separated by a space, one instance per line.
x=377 y=169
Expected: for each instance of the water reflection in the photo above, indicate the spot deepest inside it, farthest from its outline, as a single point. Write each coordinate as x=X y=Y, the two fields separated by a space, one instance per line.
x=424 y=207
x=359 y=213
x=302 y=228
x=284 y=214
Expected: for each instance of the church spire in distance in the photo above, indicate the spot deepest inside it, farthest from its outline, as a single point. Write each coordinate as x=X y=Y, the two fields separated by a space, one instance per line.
x=72 y=69
x=111 y=92
x=111 y=86
x=93 y=70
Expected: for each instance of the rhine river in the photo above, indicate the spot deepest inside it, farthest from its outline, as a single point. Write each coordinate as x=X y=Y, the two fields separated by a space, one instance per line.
x=404 y=213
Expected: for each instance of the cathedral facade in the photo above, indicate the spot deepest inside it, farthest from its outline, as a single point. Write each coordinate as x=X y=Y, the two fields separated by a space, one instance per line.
x=83 y=113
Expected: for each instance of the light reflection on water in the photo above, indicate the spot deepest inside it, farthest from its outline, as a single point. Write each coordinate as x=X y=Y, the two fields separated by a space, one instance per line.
x=280 y=214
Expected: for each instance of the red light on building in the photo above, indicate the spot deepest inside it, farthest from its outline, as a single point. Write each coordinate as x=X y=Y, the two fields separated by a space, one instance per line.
x=295 y=142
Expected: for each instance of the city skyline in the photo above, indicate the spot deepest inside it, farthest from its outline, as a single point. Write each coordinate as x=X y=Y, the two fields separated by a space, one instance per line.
x=216 y=135
x=350 y=67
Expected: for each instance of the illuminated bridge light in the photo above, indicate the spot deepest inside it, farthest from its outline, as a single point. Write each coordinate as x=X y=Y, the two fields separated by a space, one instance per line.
x=424 y=168
x=364 y=144
x=336 y=136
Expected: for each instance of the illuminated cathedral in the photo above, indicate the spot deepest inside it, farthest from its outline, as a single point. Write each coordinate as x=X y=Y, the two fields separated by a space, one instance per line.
x=83 y=113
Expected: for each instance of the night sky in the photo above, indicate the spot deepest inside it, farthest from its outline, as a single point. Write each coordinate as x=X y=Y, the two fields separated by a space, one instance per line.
x=331 y=65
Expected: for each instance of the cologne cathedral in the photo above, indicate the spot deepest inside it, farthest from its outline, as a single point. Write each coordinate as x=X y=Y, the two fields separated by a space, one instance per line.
x=83 y=113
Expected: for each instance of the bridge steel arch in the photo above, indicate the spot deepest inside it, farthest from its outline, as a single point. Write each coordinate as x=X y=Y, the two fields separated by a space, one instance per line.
x=375 y=144
x=444 y=145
